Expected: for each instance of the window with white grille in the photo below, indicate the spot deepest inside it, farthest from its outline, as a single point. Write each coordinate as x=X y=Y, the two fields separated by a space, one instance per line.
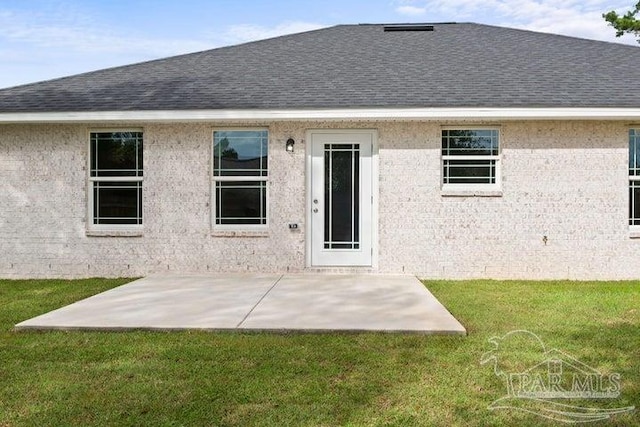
x=470 y=158
x=240 y=176
x=115 y=179
x=634 y=177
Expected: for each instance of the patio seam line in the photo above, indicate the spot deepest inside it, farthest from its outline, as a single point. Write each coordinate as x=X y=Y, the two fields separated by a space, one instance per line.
x=259 y=301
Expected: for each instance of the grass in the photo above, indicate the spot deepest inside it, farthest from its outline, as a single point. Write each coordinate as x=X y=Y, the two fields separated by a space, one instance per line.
x=200 y=378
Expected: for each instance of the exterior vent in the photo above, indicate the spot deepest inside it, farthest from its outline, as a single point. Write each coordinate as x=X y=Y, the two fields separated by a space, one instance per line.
x=407 y=27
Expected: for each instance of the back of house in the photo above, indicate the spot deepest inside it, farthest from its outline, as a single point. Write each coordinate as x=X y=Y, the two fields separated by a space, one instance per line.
x=440 y=150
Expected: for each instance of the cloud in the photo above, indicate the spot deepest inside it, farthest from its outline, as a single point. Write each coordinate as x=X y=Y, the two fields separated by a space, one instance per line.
x=58 y=40
x=578 y=18
x=411 y=10
x=61 y=40
x=588 y=25
x=81 y=35
x=248 y=32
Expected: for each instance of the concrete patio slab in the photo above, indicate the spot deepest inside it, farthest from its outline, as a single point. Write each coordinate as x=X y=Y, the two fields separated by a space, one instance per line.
x=352 y=303
x=163 y=302
x=303 y=302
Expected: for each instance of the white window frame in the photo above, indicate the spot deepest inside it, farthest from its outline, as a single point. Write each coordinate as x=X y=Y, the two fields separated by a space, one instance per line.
x=491 y=189
x=134 y=229
x=215 y=179
x=634 y=133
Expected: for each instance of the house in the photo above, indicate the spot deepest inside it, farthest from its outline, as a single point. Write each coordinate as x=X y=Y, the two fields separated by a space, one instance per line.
x=451 y=150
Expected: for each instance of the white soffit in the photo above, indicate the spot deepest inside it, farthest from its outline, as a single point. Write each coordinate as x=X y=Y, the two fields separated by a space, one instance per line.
x=381 y=114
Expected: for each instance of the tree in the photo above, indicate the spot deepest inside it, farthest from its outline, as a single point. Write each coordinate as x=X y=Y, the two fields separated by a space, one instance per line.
x=627 y=23
x=222 y=149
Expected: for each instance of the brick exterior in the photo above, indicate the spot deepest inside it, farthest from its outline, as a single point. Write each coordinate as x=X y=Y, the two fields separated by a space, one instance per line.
x=564 y=180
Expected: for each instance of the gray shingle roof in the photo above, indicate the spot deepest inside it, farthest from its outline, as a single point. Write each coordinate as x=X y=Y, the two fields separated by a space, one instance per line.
x=456 y=65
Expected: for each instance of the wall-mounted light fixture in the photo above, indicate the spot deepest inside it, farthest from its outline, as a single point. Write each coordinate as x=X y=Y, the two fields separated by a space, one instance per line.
x=290 y=144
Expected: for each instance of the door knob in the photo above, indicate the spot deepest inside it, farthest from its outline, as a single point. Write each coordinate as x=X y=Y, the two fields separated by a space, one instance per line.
x=315 y=210
x=315 y=201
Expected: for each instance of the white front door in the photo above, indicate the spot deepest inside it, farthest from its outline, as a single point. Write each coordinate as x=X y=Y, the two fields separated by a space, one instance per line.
x=341 y=198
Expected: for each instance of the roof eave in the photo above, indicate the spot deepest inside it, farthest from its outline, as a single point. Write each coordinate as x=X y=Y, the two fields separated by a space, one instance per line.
x=358 y=114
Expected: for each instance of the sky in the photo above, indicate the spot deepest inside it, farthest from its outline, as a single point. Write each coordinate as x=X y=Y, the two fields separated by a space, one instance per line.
x=45 y=39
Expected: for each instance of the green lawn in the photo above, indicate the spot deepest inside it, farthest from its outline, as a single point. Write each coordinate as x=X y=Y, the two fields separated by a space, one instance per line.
x=201 y=378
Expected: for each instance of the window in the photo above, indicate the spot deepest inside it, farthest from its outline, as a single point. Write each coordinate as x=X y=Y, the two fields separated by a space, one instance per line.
x=470 y=158
x=115 y=179
x=240 y=175
x=634 y=177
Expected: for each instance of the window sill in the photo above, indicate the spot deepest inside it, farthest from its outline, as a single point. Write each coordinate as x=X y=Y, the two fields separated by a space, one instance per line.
x=114 y=233
x=240 y=233
x=634 y=233
x=470 y=193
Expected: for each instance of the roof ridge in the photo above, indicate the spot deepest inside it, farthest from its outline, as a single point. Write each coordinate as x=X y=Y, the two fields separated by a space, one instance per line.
x=409 y=23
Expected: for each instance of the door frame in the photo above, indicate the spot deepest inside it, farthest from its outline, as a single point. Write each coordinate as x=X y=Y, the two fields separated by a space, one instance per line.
x=374 y=193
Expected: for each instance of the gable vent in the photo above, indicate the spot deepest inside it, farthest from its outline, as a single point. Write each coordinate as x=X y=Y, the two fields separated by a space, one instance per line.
x=407 y=27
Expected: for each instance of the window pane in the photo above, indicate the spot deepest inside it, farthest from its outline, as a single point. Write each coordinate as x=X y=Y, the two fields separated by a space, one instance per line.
x=342 y=210
x=634 y=202
x=116 y=154
x=241 y=202
x=240 y=153
x=469 y=171
x=117 y=202
x=470 y=142
x=634 y=152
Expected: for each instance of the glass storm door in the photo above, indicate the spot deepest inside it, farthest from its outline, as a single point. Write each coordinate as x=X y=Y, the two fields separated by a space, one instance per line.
x=341 y=199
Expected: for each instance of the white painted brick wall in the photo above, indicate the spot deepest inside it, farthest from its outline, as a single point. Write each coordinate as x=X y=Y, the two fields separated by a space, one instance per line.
x=566 y=180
